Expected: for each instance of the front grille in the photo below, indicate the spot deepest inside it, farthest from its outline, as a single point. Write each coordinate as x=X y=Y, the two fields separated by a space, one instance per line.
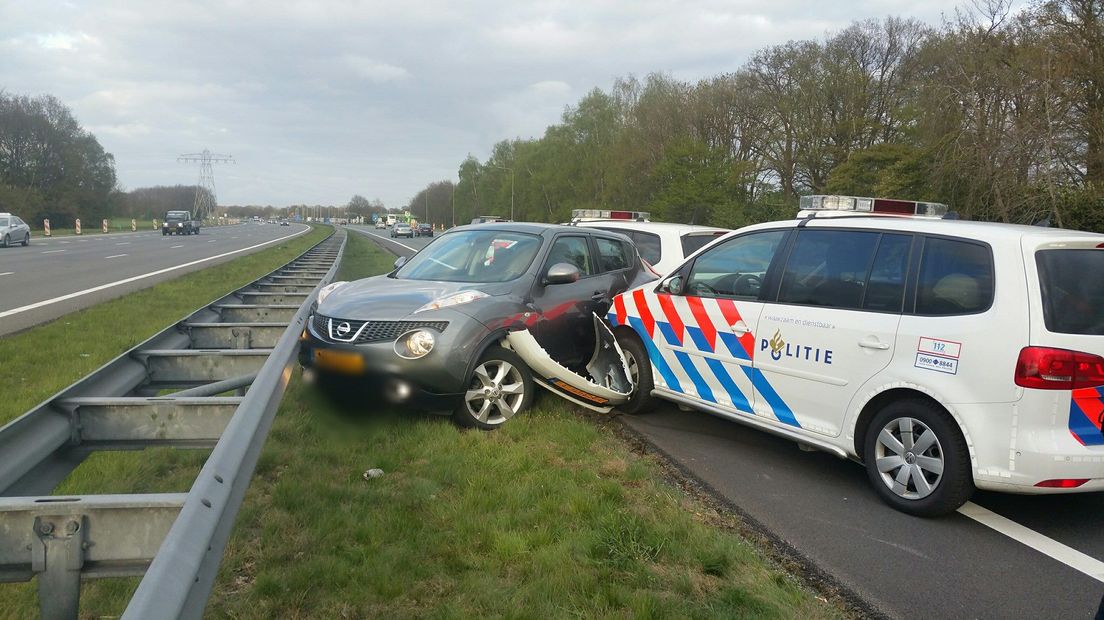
x=360 y=332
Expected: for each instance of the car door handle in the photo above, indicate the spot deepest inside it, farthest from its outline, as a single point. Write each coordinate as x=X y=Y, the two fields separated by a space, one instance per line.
x=873 y=343
x=739 y=328
x=598 y=296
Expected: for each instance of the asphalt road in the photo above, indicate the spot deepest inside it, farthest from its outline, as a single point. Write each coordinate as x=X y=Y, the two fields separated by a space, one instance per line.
x=53 y=277
x=901 y=566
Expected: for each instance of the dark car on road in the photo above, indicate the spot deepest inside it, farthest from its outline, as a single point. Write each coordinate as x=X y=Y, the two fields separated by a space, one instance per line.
x=470 y=322
x=402 y=230
x=423 y=230
x=179 y=223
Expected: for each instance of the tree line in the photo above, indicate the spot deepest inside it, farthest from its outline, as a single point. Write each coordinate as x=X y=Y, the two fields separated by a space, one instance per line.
x=998 y=114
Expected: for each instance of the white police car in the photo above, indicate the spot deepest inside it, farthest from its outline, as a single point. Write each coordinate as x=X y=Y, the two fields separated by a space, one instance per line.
x=945 y=355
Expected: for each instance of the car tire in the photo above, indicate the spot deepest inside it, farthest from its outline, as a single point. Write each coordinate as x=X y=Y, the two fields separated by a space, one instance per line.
x=493 y=396
x=640 y=369
x=26 y=239
x=7 y=241
x=933 y=482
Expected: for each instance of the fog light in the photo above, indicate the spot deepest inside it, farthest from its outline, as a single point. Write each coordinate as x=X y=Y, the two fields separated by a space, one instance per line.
x=396 y=391
x=415 y=344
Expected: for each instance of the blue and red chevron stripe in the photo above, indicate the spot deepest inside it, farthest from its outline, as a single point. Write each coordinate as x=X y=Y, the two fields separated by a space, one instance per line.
x=1087 y=416
x=698 y=325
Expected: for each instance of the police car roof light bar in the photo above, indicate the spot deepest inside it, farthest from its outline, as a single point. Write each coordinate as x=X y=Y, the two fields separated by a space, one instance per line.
x=885 y=206
x=607 y=214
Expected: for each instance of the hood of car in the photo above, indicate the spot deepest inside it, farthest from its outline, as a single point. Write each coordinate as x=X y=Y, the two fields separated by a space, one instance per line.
x=385 y=298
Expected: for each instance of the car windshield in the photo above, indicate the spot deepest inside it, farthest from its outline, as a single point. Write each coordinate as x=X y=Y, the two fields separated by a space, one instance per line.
x=473 y=256
x=177 y=215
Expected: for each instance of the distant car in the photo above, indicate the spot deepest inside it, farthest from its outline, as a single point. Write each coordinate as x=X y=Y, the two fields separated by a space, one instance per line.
x=665 y=246
x=423 y=230
x=381 y=224
x=284 y=223
x=434 y=331
x=179 y=223
x=13 y=230
x=402 y=230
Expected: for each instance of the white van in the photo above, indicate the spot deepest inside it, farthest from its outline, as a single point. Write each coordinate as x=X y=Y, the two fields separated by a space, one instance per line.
x=945 y=355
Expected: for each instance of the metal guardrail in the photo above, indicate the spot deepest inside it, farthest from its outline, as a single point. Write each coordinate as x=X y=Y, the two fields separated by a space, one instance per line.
x=246 y=342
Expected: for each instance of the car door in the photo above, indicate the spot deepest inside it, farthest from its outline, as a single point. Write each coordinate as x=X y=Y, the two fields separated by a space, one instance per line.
x=834 y=324
x=700 y=322
x=565 y=328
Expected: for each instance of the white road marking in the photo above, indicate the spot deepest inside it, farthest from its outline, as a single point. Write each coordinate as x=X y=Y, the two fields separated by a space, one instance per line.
x=63 y=242
x=52 y=251
x=116 y=255
x=101 y=287
x=1043 y=544
x=7 y=273
x=387 y=239
x=175 y=246
x=211 y=240
x=123 y=243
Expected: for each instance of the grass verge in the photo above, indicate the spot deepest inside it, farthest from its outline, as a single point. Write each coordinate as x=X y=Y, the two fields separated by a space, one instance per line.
x=36 y=363
x=551 y=516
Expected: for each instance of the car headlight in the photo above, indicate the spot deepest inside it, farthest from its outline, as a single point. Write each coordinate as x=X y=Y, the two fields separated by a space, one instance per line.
x=329 y=288
x=452 y=300
x=415 y=344
x=180 y=225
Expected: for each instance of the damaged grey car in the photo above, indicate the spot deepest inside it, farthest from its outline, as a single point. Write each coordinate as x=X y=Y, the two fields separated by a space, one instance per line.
x=475 y=320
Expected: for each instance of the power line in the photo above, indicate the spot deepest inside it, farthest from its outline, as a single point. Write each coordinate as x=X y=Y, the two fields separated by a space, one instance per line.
x=206 y=200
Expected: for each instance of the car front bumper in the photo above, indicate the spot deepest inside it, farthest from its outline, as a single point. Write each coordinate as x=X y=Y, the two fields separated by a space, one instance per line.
x=436 y=381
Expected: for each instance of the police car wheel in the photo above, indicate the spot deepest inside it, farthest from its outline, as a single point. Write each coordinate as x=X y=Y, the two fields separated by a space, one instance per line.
x=917 y=459
x=500 y=387
x=640 y=371
x=26 y=239
x=7 y=241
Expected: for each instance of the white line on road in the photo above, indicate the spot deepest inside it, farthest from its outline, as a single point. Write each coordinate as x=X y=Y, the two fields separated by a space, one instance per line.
x=7 y=273
x=1047 y=546
x=116 y=256
x=211 y=240
x=101 y=287
x=52 y=251
x=123 y=243
x=386 y=239
x=173 y=247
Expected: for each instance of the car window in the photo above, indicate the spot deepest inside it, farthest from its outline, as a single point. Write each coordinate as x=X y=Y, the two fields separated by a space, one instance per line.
x=613 y=254
x=4 y=221
x=17 y=222
x=885 y=289
x=956 y=277
x=735 y=268
x=648 y=245
x=693 y=242
x=571 y=250
x=828 y=268
x=1072 y=303
x=473 y=256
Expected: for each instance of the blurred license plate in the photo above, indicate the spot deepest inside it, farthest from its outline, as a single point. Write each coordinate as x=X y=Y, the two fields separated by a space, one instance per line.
x=339 y=361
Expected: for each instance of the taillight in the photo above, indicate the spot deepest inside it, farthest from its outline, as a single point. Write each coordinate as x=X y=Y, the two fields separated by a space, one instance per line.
x=1062 y=483
x=1044 y=368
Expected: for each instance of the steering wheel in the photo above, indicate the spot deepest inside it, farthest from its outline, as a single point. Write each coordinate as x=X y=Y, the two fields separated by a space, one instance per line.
x=747 y=284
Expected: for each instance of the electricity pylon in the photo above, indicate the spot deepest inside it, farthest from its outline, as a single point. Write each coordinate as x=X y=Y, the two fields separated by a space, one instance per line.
x=206 y=201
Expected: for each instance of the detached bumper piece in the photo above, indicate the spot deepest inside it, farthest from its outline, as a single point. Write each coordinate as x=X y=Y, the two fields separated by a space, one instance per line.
x=608 y=385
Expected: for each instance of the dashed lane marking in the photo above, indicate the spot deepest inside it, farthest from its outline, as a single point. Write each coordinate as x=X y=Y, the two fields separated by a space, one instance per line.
x=52 y=251
x=116 y=256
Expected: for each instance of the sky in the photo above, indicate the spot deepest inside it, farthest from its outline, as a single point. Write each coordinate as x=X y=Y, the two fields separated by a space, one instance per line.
x=318 y=101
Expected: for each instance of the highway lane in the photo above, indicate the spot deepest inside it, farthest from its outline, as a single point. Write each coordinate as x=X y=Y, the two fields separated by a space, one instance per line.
x=49 y=269
x=903 y=566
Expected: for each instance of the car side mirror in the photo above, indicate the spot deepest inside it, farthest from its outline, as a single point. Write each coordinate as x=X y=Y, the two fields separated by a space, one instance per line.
x=400 y=261
x=562 y=273
x=673 y=285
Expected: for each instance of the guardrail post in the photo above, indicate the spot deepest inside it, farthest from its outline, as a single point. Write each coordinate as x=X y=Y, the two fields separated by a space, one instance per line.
x=57 y=556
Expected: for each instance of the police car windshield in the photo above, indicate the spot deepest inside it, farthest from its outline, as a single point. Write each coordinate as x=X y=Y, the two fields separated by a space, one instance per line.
x=473 y=256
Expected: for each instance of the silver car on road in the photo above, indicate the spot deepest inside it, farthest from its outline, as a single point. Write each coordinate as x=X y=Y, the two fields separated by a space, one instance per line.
x=13 y=230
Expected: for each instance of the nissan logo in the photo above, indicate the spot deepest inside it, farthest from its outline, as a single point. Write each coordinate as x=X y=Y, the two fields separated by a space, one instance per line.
x=343 y=329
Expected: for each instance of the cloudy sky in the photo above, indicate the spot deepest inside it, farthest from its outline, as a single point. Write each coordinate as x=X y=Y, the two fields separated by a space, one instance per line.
x=318 y=101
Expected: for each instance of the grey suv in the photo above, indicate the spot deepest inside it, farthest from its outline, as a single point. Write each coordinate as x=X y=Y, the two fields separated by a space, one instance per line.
x=474 y=318
x=13 y=230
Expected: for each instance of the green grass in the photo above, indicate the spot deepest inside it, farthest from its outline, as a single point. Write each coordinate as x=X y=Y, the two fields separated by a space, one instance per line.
x=35 y=364
x=363 y=258
x=552 y=516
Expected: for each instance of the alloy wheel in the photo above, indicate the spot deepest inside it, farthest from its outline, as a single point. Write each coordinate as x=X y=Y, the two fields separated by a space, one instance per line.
x=496 y=392
x=909 y=458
